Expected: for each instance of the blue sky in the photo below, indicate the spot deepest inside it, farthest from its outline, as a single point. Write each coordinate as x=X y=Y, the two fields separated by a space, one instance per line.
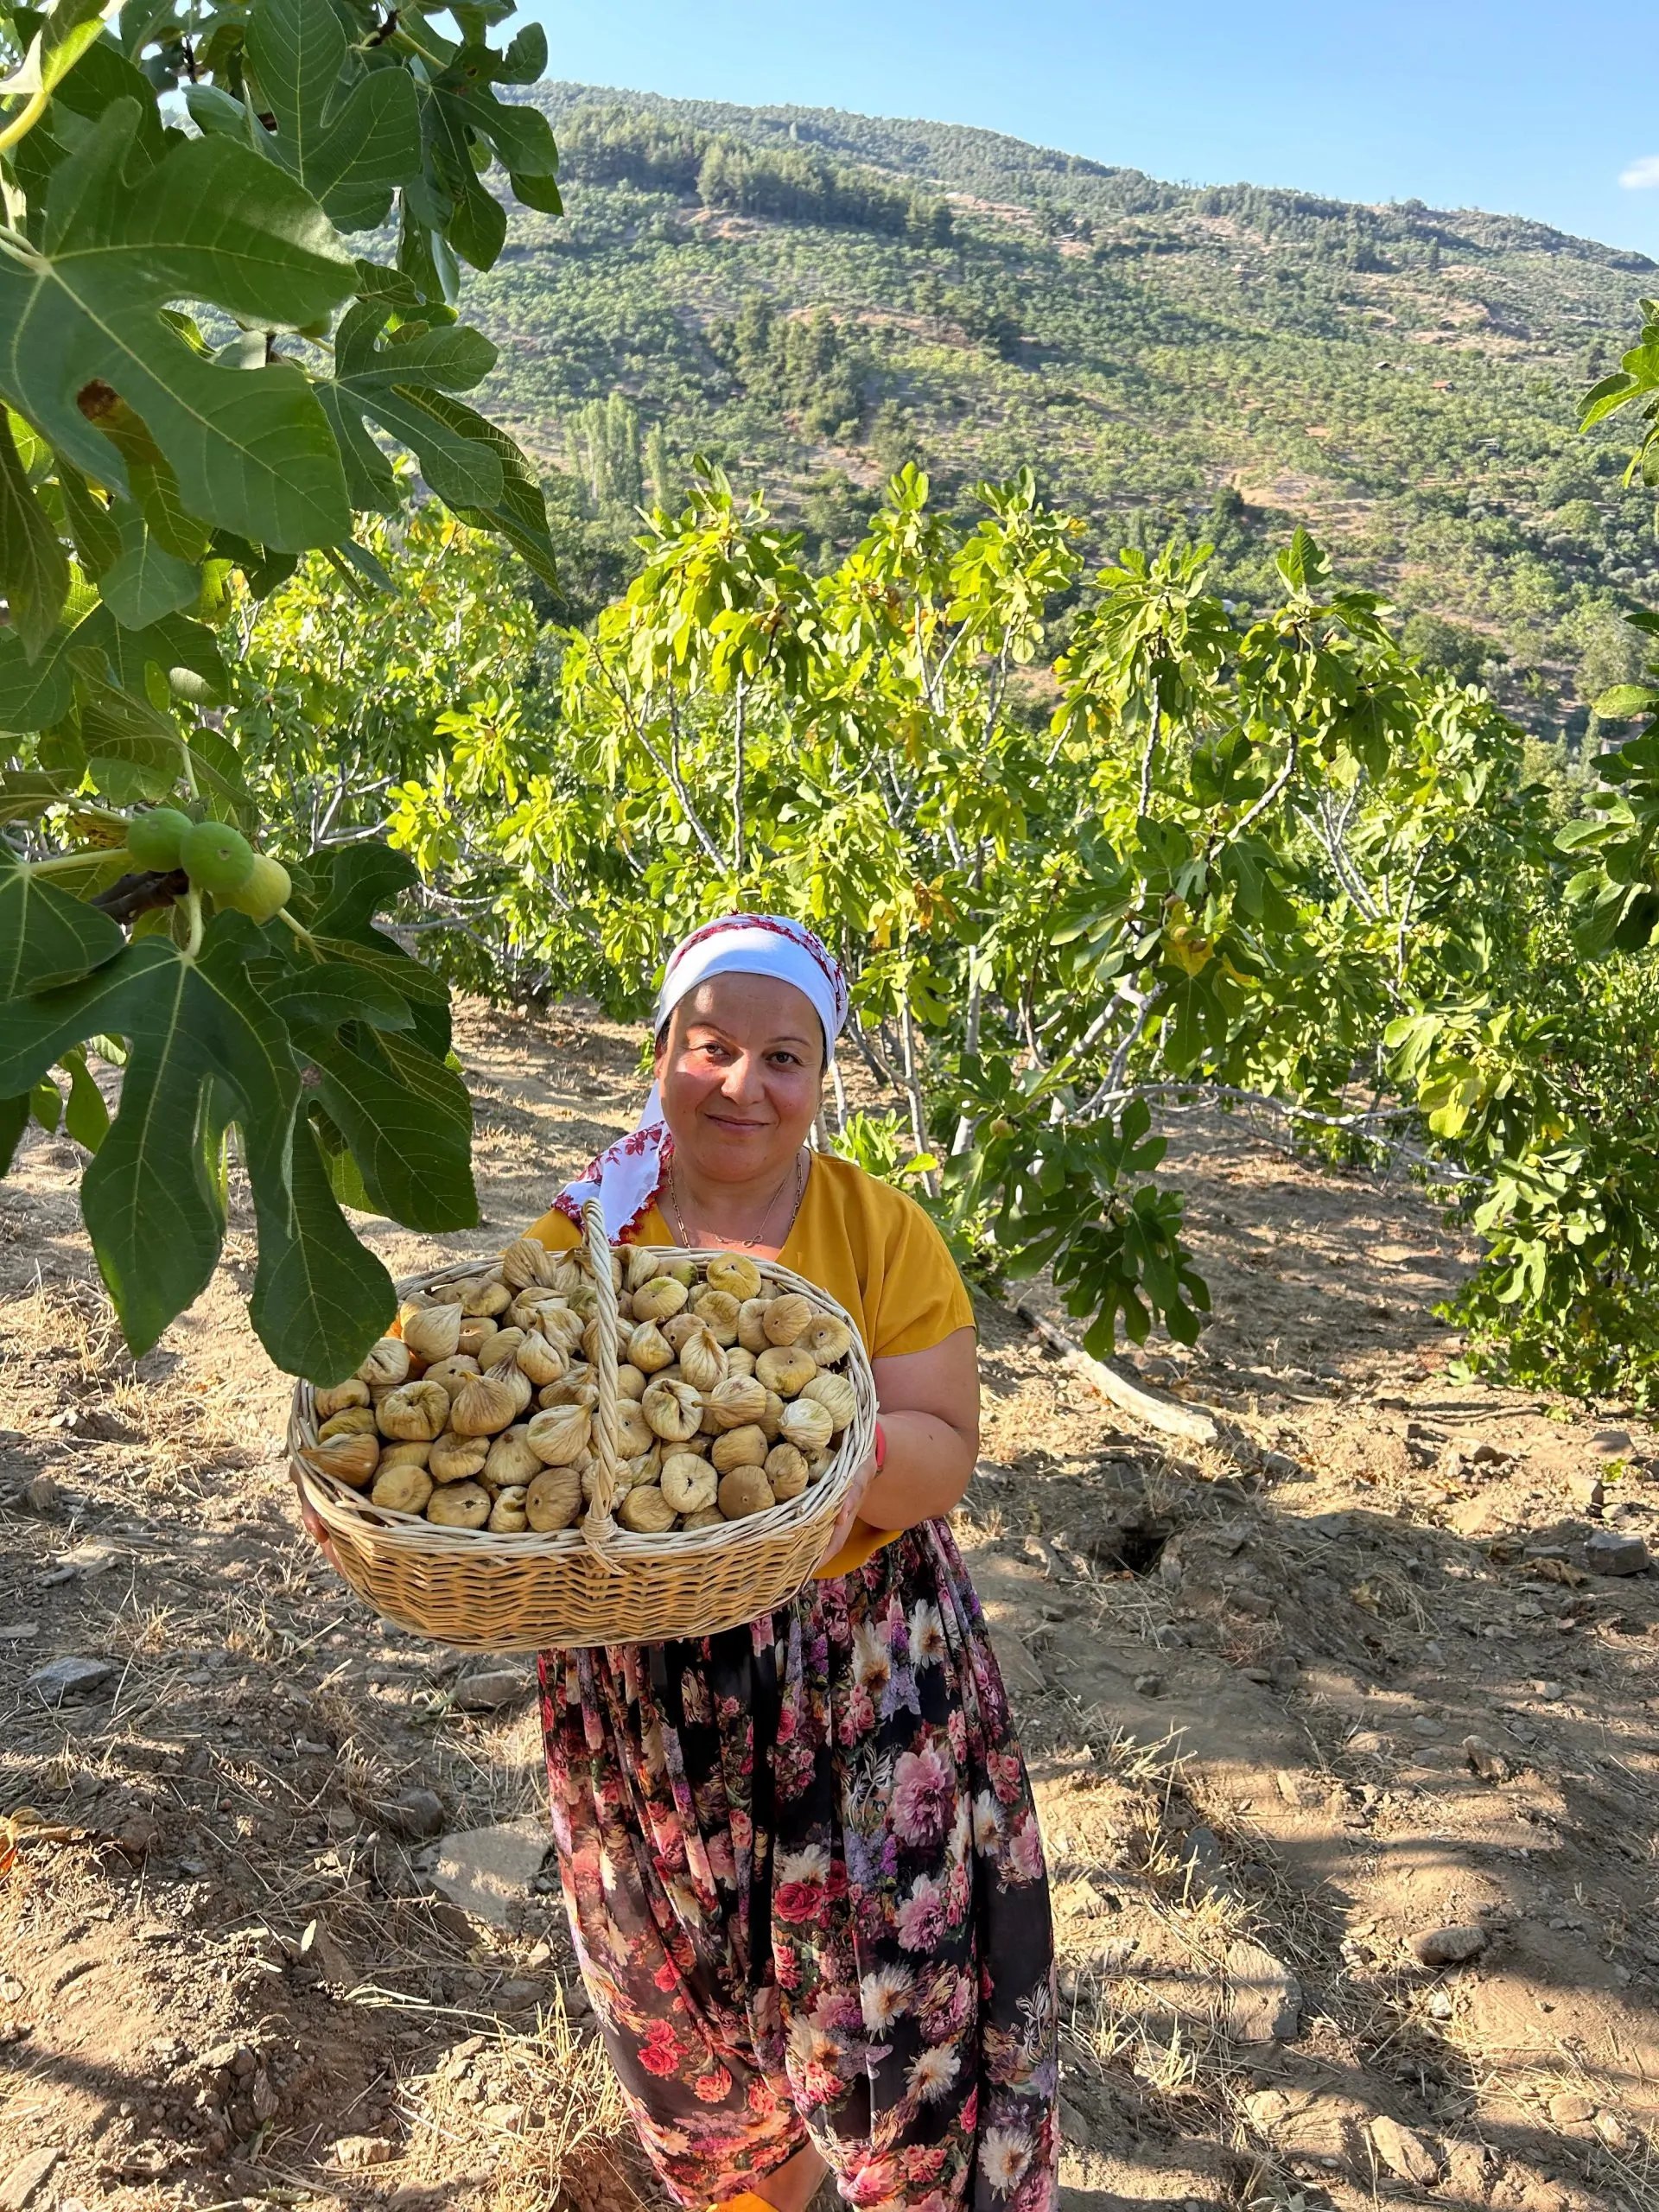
x=1525 y=108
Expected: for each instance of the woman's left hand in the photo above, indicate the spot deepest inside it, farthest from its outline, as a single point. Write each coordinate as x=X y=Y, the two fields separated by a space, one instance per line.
x=849 y=1513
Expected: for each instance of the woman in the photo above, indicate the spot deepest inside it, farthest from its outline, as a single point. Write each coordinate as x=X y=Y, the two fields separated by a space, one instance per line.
x=800 y=1859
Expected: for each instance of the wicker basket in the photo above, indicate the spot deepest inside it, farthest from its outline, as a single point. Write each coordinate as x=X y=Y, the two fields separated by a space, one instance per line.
x=482 y=1591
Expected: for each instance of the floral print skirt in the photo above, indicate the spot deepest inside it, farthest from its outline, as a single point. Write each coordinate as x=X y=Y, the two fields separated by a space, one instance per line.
x=806 y=1887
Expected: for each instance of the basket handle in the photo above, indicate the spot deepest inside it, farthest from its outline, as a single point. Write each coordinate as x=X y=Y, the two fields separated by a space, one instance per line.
x=597 y=1528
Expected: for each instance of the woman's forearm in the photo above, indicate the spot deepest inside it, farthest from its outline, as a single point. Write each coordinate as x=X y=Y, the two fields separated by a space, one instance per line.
x=928 y=1467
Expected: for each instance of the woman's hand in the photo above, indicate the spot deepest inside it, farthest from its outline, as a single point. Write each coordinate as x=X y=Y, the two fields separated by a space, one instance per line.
x=317 y=1533
x=849 y=1513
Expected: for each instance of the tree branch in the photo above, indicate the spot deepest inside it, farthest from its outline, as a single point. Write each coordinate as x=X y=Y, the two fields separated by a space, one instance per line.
x=141 y=894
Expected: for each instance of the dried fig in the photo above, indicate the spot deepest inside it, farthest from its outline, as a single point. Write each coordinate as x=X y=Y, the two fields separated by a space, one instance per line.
x=836 y=1395
x=634 y=1433
x=706 y=1516
x=673 y=1409
x=489 y=1403
x=751 y=1324
x=526 y=1262
x=407 y=1454
x=350 y=1459
x=387 y=1364
x=542 y=1360
x=417 y=1413
x=456 y=1459
x=703 y=1364
x=688 y=1483
x=630 y=1382
x=452 y=1373
x=560 y=1434
x=646 y=1511
x=459 y=1505
x=745 y=1490
x=508 y=1516
x=503 y=1345
x=827 y=1337
x=402 y=1490
x=739 y=1447
x=475 y=1334
x=786 y=1368
x=807 y=1424
x=432 y=1333
x=554 y=1498
x=350 y=1421
x=659 y=1300
x=648 y=1349
x=786 y=1317
x=786 y=1472
x=738 y=1401
x=730 y=1272
x=717 y=1310
x=512 y=1459
x=485 y=1296
x=334 y=1399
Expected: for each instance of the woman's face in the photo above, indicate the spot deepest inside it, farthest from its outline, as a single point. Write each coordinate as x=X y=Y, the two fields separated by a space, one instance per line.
x=741 y=1071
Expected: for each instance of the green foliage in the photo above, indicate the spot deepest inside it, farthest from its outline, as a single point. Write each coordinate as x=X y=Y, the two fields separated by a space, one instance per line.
x=161 y=472
x=1264 y=852
x=1218 y=363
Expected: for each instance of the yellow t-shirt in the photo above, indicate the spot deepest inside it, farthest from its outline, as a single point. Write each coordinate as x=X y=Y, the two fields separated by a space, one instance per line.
x=876 y=1253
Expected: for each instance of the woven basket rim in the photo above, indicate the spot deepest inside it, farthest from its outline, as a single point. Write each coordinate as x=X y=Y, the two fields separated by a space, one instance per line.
x=343 y=1508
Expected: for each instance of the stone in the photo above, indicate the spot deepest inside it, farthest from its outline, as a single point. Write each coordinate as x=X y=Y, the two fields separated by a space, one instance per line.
x=417 y=1815
x=487 y=1872
x=43 y=1494
x=1616 y=1551
x=1613 y=2132
x=1488 y=1762
x=1266 y=2107
x=1264 y=1998
x=1284 y=1670
x=356 y=2152
x=489 y=1691
x=1449 y=1947
x=1404 y=2152
x=20 y=2185
x=1567 y=2108
x=1613 y=1444
x=1149 y=1686
x=69 y=1677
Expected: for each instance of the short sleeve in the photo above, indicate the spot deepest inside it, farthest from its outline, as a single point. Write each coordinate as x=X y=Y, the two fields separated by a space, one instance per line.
x=923 y=1298
x=556 y=1230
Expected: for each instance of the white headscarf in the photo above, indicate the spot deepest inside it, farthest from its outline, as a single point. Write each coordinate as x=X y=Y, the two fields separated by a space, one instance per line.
x=628 y=1176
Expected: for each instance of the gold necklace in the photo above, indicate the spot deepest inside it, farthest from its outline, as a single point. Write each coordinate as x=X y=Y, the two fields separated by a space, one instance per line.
x=676 y=1219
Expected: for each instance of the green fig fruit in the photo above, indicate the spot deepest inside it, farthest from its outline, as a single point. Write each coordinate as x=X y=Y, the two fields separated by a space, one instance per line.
x=265 y=892
x=217 y=858
x=155 y=838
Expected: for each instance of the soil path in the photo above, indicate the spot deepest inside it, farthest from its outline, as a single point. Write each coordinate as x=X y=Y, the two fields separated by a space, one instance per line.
x=1297 y=1705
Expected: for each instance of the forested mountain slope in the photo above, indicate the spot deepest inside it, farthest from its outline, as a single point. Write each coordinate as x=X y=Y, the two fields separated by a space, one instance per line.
x=813 y=298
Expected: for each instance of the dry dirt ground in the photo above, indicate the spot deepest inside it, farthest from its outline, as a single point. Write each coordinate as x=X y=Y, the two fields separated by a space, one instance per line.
x=1295 y=1703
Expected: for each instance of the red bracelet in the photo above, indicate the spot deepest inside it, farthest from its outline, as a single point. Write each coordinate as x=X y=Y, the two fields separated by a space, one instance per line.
x=881 y=1447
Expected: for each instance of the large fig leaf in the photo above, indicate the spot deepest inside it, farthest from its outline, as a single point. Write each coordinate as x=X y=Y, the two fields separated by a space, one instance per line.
x=389 y=381
x=46 y=937
x=34 y=569
x=201 y=1034
x=250 y=447
x=350 y=145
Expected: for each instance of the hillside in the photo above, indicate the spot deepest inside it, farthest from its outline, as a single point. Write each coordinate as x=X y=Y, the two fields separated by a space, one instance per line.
x=814 y=297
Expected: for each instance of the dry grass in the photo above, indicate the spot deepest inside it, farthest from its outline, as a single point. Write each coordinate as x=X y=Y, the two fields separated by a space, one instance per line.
x=535 y=2108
